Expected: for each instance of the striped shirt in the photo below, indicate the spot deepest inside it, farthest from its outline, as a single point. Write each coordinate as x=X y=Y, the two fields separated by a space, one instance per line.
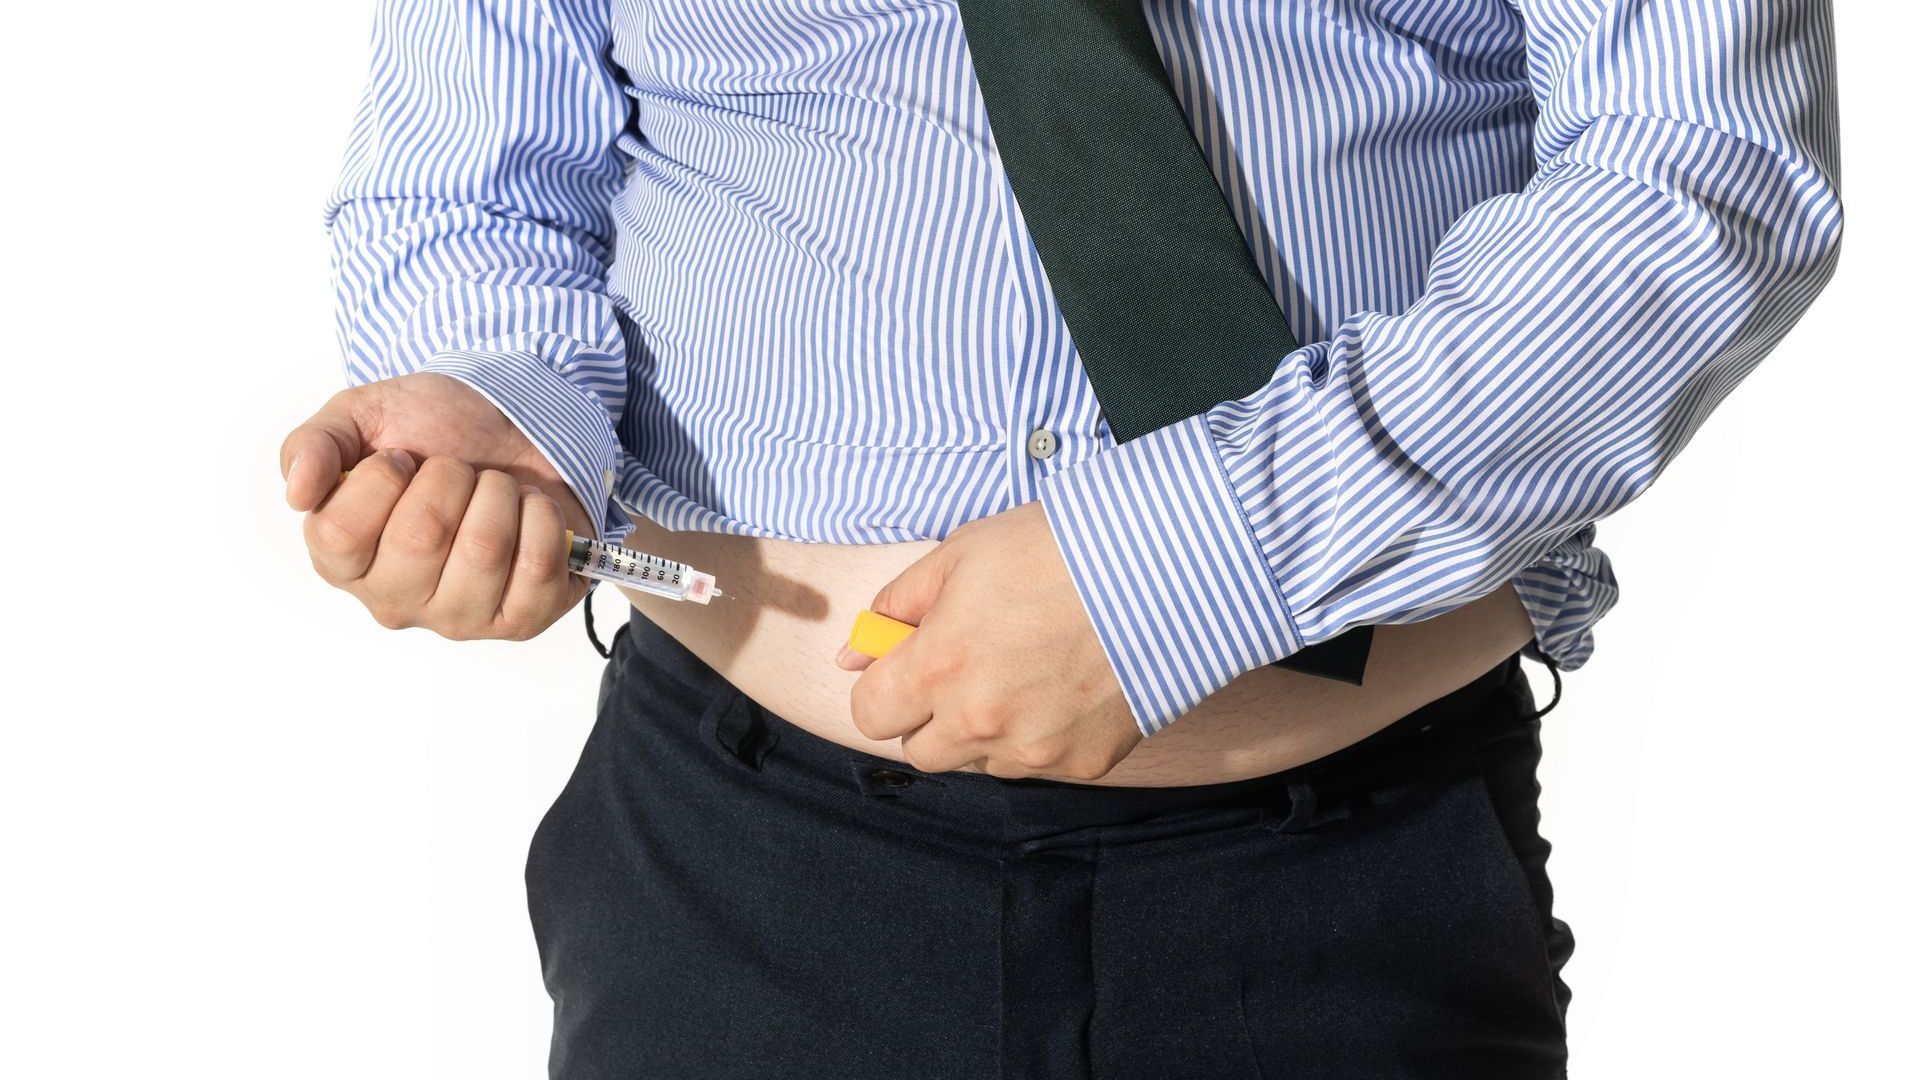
x=752 y=266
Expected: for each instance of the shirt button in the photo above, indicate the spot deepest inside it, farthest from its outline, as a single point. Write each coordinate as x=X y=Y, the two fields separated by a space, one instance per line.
x=1041 y=444
x=892 y=778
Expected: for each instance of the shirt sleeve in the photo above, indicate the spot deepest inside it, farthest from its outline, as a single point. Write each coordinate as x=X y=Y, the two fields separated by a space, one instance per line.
x=1569 y=340
x=471 y=224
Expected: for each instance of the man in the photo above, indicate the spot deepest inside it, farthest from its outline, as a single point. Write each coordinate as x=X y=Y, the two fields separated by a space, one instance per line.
x=758 y=286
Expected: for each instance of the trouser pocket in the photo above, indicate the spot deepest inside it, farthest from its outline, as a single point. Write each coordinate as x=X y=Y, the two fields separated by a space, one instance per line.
x=1507 y=767
x=600 y=872
x=1399 y=936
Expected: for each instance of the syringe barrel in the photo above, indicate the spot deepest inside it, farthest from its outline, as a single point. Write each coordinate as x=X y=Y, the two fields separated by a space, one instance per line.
x=637 y=570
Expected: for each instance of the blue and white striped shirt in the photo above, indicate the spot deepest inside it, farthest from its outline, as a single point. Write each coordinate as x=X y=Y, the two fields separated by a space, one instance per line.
x=751 y=266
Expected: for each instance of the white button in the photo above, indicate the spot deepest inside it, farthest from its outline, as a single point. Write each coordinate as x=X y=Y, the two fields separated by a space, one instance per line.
x=1041 y=444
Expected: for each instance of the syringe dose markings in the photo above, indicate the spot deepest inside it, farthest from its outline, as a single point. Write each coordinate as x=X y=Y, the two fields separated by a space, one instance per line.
x=645 y=567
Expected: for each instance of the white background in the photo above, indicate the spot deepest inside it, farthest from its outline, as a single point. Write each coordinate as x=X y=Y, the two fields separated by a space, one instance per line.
x=248 y=833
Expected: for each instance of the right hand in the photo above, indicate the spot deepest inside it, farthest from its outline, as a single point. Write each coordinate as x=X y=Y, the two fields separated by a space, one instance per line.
x=448 y=518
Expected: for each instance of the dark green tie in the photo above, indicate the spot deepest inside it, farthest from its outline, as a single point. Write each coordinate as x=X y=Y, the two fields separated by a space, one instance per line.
x=1167 y=308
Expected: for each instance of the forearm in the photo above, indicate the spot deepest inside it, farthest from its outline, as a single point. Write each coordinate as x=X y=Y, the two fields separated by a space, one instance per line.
x=471 y=238
x=1572 y=337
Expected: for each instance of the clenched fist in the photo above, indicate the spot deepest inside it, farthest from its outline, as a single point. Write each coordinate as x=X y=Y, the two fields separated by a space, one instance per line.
x=448 y=517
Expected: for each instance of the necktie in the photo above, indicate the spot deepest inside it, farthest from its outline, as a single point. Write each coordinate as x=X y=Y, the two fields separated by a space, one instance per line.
x=1168 y=309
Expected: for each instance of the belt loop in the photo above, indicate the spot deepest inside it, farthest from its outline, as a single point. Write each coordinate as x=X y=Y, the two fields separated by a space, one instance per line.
x=737 y=727
x=1308 y=807
x=1303 y=801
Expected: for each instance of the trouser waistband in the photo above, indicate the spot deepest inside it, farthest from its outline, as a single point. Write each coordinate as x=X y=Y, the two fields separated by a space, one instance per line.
x=1432 y=739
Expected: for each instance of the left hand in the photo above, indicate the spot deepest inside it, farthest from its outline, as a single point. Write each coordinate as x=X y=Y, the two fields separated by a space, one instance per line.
x=1004 y=669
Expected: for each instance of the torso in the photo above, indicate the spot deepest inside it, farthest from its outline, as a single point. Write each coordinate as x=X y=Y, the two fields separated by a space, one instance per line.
x=831 y=290
x=794 y=603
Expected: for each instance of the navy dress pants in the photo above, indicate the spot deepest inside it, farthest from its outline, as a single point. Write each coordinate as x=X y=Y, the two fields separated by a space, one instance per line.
x=717 y=893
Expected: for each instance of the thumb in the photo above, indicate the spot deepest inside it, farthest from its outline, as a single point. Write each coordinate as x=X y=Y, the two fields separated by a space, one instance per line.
x=910 y=596
x=318 y=451
x=907 y=598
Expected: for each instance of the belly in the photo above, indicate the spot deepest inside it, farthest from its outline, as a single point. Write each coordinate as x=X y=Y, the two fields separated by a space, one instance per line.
x=795 y=602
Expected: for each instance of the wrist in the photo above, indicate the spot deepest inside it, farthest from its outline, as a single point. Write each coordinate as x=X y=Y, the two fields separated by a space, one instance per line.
x=566 y=423
x=1177 y=588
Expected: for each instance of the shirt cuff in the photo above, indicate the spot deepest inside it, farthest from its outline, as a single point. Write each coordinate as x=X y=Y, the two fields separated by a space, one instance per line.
x=1565 y=594
x=1168 y=570
x=565 y=422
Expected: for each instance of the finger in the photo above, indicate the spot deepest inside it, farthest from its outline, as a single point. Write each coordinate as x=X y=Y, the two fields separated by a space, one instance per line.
x=313 y=454
x=893 y=696
x=343 y=535
x=910 y=596
x=467 y=601
x=929 y=750
x=414 y=547
x=853 y=661
x=539 y=587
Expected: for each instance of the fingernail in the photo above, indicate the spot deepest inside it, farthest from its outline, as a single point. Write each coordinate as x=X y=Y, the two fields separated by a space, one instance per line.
x=401 y=458
x=530 y=489
x=845 y=654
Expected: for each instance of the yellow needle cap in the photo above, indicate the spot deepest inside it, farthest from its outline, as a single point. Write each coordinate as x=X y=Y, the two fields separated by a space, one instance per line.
x=875 y=635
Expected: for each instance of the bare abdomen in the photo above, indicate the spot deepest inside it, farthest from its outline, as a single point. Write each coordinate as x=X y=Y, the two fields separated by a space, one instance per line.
x=795 y=602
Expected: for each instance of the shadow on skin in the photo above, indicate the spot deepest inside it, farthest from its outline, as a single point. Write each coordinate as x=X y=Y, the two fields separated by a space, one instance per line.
x=753 y=590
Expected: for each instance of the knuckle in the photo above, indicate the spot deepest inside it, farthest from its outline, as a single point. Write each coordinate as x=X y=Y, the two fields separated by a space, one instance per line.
x=332 y=537
x=487 y=549
x=322 y=568
x=540 y=563
x=518 y=628
x=942 y=666
x=983 y=723
x=420 y=534
x=1035 y=756
x=338 y=548
x=387 y=615
x=523 y=620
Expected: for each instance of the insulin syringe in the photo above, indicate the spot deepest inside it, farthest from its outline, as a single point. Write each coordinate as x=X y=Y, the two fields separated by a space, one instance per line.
x=638 y=570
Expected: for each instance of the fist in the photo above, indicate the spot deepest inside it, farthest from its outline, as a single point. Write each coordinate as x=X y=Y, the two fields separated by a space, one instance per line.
x=1005 y=672
x=448 y=517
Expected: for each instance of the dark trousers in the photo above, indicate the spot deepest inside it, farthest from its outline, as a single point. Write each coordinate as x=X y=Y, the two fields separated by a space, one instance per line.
x=717 y=893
